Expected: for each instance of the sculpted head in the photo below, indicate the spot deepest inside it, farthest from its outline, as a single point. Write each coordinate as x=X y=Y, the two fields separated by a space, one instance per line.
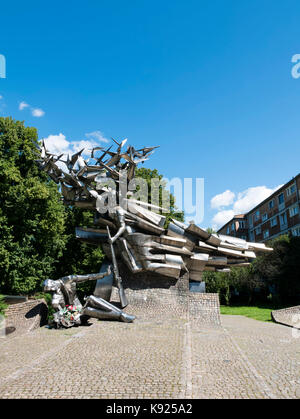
x=51 y=285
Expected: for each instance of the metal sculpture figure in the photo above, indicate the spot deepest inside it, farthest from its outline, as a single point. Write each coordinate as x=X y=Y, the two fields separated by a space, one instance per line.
x=140 y=240
x=69 y=310
x=118 y=279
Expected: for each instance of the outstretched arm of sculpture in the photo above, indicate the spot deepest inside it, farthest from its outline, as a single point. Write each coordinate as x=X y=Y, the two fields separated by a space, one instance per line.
x=88 y=277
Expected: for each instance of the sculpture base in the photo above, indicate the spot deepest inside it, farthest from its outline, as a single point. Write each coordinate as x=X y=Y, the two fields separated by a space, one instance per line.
x=153 y=297
x=150 y=280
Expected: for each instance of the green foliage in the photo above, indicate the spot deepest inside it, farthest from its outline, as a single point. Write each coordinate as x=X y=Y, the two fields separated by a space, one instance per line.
x=32 y=217
x=210 y=230
x=279 y=270
x=3 y=305
x=217 y=282
x=78 y=257
x=239 y=281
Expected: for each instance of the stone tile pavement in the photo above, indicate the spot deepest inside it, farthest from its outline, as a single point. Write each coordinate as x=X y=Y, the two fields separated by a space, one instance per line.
x=160 y=357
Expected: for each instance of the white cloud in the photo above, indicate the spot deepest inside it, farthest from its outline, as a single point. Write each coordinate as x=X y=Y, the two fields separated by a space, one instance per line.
x=37 y=112
x=58 y=144
x=244 y=202
x=23 y=105
x=223 y=199
x=98 y=136
x=86 y=144
x=251 y=197
x=221 y=218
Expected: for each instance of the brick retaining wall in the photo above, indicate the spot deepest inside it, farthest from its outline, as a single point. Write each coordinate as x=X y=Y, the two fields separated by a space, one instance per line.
x=25 y=317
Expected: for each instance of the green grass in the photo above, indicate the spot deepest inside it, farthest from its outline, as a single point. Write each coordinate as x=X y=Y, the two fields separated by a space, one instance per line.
x=3 y=306
x=258 y=313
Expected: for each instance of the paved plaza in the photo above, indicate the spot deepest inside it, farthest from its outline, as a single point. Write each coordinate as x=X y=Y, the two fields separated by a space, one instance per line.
x=153 y=358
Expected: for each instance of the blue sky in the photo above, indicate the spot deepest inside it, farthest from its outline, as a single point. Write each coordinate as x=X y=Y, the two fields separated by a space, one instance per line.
x=208 y=81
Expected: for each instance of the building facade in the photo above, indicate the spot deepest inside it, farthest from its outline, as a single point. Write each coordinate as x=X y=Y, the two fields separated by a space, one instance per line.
x=236 y=227
x=276 y=215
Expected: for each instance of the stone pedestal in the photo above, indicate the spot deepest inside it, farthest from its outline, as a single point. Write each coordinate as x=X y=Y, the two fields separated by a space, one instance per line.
x=149 y=280
x=153 y=296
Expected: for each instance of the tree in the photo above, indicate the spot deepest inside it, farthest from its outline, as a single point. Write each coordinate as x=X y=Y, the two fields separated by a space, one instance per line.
x=281 y=268
x=164 y=195
x=79 y=257
x=210 y=230
x=218 y=282
x=32 y=216
x=246 y=281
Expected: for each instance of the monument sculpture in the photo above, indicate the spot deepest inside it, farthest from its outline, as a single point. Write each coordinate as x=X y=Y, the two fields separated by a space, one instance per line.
x=130 y=231
x=69 y=310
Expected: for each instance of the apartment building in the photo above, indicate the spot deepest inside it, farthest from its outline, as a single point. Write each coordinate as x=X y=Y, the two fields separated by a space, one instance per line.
x=236 y=227
x=276 y=215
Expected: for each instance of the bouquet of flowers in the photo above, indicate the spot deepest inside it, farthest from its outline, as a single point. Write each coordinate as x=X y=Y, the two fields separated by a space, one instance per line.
x=69 y=315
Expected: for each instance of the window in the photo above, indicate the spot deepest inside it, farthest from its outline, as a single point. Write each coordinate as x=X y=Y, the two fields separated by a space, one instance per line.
x=266 y=234
x=251 y=236
x=273 y=221
x=228 y=230
x=296 y=231
x=265 y=217
x=271 y=204
x=242 y=224
x=282 y=218
x=244 y=237
x=232 y=227
x=294 y=210
x=258 y=231
x=281 y=198
x=291 y=190
x=250 y=221
x=257 y=215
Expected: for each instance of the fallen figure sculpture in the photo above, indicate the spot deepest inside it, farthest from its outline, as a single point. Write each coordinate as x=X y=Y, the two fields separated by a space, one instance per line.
x=139 y=238
x=69 y=310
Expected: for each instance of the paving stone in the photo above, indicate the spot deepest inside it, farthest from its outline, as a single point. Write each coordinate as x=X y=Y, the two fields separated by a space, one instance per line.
x=157 y=356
